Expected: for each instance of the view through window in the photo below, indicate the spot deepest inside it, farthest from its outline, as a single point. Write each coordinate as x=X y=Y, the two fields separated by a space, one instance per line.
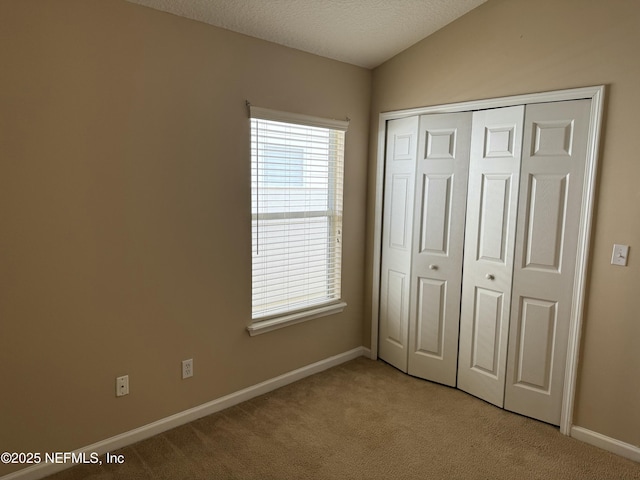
x=296 y=207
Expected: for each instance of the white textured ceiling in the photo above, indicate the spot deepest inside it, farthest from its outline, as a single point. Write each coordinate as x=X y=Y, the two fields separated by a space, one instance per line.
x=361 y=32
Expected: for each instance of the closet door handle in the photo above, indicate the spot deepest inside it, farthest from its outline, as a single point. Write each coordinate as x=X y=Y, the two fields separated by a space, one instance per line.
x=490 y=276
x=433 y=267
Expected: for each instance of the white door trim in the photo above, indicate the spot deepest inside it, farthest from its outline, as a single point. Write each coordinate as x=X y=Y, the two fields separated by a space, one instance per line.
x=596 y=95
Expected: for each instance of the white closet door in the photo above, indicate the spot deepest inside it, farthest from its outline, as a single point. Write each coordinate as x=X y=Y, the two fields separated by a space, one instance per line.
x=436 y=271
x=494 y=173
x=551 y=187
x=397 y=228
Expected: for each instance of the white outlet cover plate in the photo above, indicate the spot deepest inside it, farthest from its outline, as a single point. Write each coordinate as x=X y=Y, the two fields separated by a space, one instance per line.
x=122 y=386
x=187 y=368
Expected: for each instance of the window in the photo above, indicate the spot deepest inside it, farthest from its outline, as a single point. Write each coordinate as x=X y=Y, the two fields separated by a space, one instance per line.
x=282 y=166
x=296 y=209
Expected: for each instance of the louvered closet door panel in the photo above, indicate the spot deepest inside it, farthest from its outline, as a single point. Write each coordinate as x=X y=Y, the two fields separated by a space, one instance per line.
x=551 y=190
x=397 y=229
x=494 y=170
x=438 y=219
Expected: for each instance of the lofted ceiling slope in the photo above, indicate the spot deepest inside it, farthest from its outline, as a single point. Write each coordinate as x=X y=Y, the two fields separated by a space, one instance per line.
x=365 y=33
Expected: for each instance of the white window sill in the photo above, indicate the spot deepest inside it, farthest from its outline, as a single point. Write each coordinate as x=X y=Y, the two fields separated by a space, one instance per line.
x=264 y=326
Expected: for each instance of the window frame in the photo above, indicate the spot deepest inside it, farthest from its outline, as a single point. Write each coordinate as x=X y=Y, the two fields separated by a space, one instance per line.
x=265 y=323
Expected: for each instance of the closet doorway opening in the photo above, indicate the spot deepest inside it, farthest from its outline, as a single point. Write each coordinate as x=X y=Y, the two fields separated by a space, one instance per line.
x=498 y=175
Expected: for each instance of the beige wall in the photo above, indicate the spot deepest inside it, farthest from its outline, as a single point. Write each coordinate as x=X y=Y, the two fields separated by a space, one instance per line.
x=510 y=47
x=125 y=215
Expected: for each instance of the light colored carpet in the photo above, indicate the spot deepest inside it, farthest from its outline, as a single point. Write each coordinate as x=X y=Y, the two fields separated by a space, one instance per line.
x=362 y=420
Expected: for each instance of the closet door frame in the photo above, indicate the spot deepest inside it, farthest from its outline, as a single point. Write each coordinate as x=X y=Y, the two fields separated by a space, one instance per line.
x=593 y=93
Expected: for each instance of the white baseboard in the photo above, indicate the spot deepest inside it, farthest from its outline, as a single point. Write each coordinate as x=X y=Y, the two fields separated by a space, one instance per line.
x=42 y=470
x=596 y=439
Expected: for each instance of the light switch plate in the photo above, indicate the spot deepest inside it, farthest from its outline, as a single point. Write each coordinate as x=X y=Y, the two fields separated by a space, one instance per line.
x=619 y=255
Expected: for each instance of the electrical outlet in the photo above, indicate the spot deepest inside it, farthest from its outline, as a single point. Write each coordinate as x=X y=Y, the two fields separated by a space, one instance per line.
x=122 y=386
x=187 y=368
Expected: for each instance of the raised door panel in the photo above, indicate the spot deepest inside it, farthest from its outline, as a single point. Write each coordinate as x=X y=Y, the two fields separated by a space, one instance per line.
x=544 y=221
x=397 y=234
x=487 y=324
x=551 y=196
x=439 y=212
x=494 y=170
x=534 y=334
x=430 y=317
x=436 y=214
x=493 y=228
x=395 y=310
x=400 y=211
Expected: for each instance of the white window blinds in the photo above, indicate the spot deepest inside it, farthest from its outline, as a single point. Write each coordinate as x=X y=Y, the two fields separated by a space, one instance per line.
x=296 y=207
